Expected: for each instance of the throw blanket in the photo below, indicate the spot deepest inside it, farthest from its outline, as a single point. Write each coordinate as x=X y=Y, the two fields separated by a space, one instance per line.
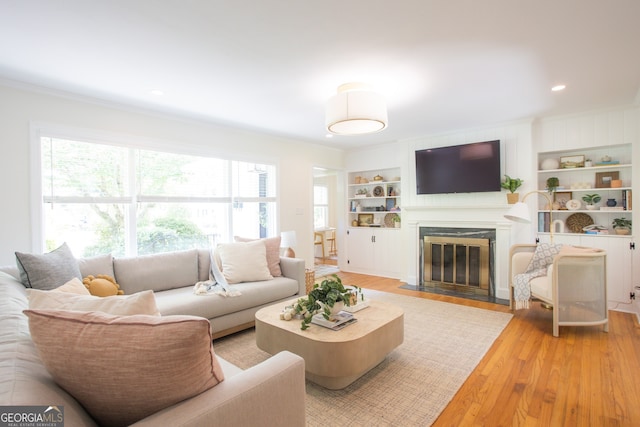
x=542 y=259
x=210 y=287
x=217 y=284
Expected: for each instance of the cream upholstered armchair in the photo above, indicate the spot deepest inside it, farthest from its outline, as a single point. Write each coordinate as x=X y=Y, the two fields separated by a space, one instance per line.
x=575 y=284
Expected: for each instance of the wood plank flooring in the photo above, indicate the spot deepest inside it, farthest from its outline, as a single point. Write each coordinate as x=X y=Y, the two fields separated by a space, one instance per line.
x=586 y=377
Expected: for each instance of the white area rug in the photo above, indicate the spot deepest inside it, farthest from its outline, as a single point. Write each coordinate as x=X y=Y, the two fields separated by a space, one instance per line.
x=443 y=343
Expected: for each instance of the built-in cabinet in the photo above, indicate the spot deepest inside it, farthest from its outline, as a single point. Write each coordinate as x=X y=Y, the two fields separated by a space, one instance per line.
x=606 y=171
x=373 y=251
x=373 y=222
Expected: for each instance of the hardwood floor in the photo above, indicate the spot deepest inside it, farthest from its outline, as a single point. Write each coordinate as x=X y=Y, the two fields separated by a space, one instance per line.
x=586 y=377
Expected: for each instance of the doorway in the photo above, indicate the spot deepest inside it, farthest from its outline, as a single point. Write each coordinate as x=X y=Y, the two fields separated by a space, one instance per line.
x=327 y=219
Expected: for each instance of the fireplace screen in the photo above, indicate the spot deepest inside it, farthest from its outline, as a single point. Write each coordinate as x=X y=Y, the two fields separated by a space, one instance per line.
x=461 y=263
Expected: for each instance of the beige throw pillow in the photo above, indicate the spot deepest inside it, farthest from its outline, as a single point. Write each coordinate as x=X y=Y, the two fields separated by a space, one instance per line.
x=244 y=262
x=73 y=286
x=272 y=245
x=125 y=305
x=125 y=368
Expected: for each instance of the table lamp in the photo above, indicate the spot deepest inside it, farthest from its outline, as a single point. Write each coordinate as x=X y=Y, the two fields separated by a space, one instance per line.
x=288 y=241
x=519 y=212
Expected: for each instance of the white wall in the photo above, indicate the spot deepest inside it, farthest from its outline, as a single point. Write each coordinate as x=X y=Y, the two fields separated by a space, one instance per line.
x=20 y=107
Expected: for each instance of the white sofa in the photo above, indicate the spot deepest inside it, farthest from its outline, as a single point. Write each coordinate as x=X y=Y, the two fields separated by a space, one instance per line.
x=271 y=393
x=575 y=285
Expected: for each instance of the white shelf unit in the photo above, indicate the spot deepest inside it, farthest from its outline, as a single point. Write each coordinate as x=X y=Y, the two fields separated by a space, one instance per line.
x=580 y=181
x=372 y=242
x=374 y=198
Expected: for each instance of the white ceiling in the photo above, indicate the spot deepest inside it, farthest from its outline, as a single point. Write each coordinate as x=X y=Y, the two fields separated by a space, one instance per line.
x=270 y=65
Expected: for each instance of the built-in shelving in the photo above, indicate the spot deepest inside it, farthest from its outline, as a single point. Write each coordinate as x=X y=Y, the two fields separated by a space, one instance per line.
x=374 y=198
x=609 y=176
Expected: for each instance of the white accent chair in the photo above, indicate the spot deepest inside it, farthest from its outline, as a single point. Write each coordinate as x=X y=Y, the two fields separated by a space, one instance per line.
x=575 y=285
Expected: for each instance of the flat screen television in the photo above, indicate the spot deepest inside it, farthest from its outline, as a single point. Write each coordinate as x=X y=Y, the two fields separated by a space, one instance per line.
x=468 y=168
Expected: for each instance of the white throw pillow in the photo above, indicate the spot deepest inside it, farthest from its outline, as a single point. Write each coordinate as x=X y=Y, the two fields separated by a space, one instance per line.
x=272 y=244
x=125 y=305
x=244 y=262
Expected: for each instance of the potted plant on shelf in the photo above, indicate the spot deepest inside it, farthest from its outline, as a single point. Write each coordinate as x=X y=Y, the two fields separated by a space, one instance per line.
x=622 y=225
x=591 y=200
x=552 y=183
x=396 y=221
x=511 y=184
x=328 y=297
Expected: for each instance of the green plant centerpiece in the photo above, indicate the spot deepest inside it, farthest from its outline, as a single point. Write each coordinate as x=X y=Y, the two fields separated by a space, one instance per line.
x=552 y=183
x=323 y=297
x=622 y=225
x=591 y=199
x=511 y=184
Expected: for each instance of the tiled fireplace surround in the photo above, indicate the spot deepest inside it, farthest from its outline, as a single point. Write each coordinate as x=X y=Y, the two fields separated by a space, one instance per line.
x=460 y=217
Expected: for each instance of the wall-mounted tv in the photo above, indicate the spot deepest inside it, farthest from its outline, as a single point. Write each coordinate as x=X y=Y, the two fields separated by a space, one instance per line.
x=468 y=168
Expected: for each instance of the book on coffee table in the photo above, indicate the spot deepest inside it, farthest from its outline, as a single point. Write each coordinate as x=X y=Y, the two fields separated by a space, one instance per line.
x=335 y=322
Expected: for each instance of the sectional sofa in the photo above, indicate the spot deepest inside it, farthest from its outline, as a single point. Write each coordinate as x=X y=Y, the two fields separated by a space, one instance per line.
x=272 y=392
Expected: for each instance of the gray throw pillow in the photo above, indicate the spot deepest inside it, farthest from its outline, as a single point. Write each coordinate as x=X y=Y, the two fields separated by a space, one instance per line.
x=48 y=271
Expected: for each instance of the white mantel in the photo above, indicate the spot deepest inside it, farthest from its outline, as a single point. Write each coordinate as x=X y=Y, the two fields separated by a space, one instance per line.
x=476 y=216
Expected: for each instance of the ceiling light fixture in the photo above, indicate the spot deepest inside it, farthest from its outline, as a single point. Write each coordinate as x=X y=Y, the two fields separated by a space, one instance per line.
x=356 y=109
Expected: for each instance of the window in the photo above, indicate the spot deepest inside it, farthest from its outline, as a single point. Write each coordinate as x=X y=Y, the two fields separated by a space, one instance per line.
x=102 y=198
x=320 y=206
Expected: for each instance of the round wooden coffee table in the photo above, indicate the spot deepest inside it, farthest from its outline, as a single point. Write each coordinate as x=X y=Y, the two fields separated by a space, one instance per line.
x=334 y=359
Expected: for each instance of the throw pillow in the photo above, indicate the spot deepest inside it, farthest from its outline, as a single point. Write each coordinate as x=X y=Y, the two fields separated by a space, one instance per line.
x=101 y=264
x=47 y=271
x=102 y=285
x=244 y=262
x=124 y=305
x=123 y=369
x=73 y=286
x=272 y=244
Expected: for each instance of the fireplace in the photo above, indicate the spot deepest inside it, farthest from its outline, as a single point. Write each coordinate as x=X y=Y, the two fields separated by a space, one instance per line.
x=459 y=260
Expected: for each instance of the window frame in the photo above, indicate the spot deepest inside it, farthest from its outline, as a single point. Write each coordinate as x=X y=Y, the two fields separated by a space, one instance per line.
x=38 y=130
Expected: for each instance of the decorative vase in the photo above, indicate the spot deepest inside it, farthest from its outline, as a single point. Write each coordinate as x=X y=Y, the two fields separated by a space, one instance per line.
x=591 y=207
x=588 y=164
x=337 y=307
x=512 y=198
x=611 y=202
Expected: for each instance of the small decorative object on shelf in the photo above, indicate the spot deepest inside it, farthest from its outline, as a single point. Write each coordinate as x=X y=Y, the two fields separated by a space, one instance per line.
x=591 y=200
x=552 y=183
x=577 y=221
x=611 y=202
x=588 y=163
x=622 y=226
x=569 y=162
x=603 y=179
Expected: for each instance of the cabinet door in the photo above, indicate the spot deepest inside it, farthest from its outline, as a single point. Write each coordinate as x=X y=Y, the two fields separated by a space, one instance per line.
x=619 y=261
x=386 y=253
x=359 y=250
x=619 y=265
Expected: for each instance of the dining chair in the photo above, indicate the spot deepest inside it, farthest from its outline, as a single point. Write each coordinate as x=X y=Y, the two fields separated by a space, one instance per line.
x=332 y=243
x=318 y=239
